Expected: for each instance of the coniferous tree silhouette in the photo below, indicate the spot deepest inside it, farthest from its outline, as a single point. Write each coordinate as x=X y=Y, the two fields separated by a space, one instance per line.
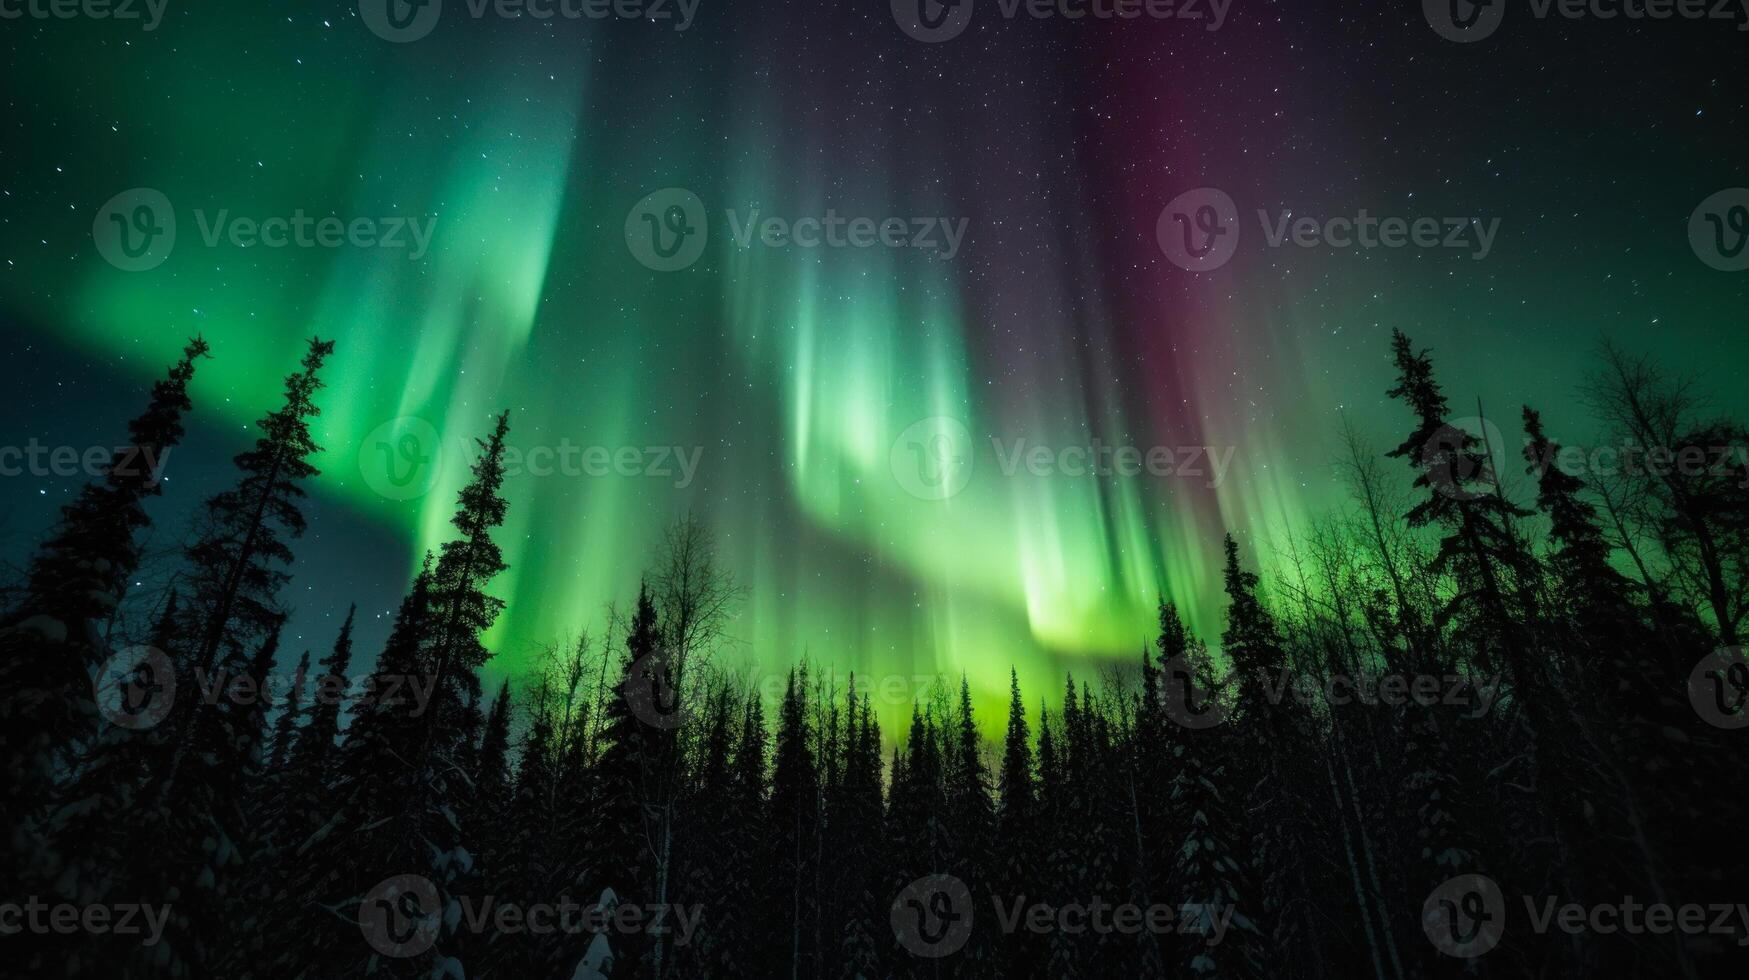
x=58 y=634
x=1311 y=833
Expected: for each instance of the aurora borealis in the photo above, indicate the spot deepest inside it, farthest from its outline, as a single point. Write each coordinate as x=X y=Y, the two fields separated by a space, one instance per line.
x=788 y=373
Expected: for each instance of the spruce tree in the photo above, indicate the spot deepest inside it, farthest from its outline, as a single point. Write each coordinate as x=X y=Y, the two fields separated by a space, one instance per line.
x=1019 y=829
x=312 y=759
x=620 y=858
x=238 y=561
x=285 y=729
x=57 y=635
x=795 y=823
x=1480 y=549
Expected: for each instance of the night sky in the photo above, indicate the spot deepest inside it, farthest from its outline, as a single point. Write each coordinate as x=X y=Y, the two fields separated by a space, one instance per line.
x=794 y=373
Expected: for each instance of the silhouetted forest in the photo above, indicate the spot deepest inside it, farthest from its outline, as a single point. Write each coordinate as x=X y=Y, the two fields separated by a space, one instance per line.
x=1492 y=671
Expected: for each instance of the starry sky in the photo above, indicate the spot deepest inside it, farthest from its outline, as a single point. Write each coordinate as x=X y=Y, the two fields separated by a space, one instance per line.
x=797 y=378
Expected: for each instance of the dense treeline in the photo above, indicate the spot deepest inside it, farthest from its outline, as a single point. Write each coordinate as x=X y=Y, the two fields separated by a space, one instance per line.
x=1556 y=621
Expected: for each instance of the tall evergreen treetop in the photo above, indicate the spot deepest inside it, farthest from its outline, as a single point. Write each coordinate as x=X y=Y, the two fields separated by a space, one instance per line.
x=81 y=573
x=238 y=561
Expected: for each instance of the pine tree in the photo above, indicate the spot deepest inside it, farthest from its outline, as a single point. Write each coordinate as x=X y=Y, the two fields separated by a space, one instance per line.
x=403 y=783
x=312 y=759
x=237 y=560
x=1015 y=784
x=56 y=637
x=1211 y=874
x=621 y=859
x=862 y=834
x=795 y=802
x=285 y=729
x=1018 y=827
x=492 y=777
x=80 y=574
x=1480 y=549
x=1252 y=642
